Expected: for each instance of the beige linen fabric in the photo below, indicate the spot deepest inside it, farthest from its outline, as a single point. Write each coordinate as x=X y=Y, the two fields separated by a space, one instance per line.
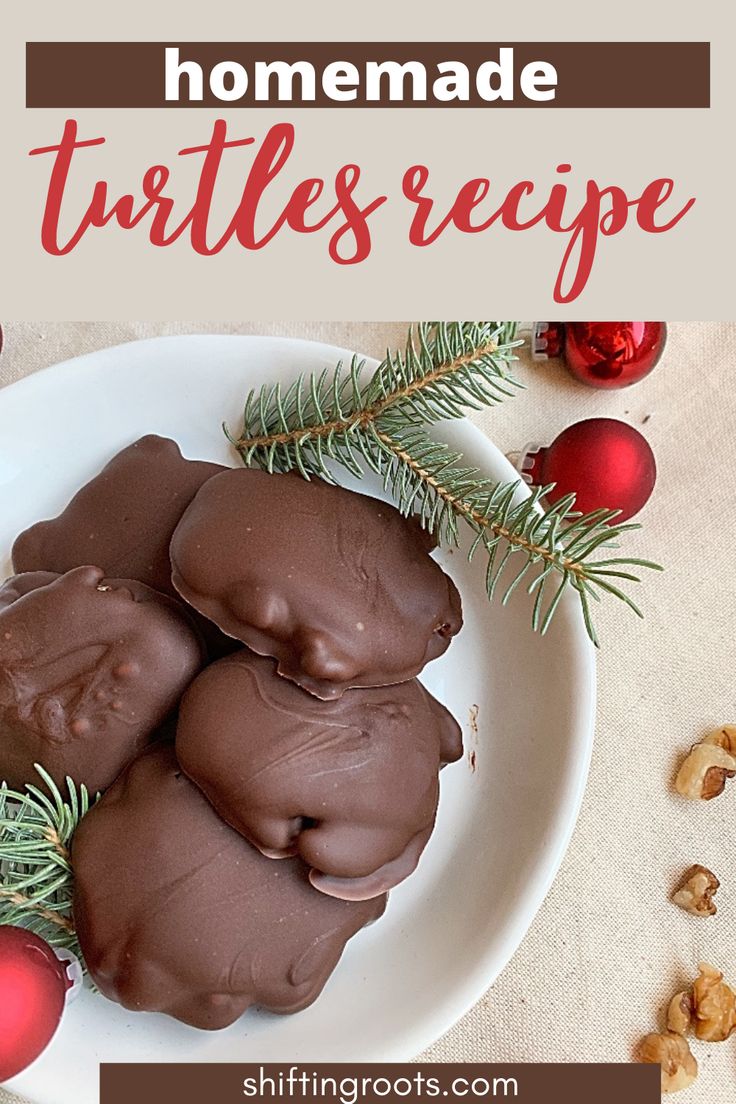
x=607 y=949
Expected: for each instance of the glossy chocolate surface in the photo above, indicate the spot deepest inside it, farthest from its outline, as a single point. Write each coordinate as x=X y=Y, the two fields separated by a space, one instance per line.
x=123 y=519
x=177 y=913
x=337 y=586
x=351 y=785
x=89 y=669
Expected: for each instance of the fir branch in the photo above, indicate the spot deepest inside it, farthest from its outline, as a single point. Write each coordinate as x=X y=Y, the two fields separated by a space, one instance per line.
x=555 y=545
x=446 y=369
x=36 y=828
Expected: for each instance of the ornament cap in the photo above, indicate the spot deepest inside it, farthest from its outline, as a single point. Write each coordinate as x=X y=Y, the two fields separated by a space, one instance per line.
x=528 y=462
x=73 y=972
x=547 y=340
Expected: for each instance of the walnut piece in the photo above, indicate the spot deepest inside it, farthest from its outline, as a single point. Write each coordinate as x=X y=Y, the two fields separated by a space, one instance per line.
x=680 y=1013
x=695 y=892
x=679 y=1067
x=703 y=774
x=714 y=1006
x=724 y=737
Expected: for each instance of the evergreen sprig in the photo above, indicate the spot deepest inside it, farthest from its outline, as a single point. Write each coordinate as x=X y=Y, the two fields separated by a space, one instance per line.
x=444 y=370
x=380 y=424
x=36 y=829
x=546 y=550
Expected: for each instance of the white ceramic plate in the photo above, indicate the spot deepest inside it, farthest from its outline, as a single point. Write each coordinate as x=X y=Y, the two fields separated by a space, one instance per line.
x=507 y=811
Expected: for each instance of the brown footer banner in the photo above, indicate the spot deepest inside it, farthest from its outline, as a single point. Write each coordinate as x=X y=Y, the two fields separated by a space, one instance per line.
x=226 y=1083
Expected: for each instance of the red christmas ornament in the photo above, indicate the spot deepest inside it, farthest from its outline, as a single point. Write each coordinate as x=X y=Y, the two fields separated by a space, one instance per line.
x=607 y=464
x=35 y=984
x=602 y=354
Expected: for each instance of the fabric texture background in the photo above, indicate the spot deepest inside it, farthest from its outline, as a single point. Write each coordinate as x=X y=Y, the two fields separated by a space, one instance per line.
x=607 y=949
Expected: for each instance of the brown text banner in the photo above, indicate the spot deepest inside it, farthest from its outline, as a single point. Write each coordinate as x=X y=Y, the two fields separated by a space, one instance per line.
x=225 y=1083
x=74 y=75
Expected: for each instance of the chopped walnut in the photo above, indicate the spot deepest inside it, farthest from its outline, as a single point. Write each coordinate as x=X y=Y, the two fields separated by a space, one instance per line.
x=704 y=772
x=724 y=738
x=679 y=1068
x=695 y=891
x=714 y=1006
x=680 y=1013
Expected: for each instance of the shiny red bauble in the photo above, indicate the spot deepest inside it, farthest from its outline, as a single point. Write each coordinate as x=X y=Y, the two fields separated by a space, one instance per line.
x=33 y=990
x=607 y=464
x=602 y=354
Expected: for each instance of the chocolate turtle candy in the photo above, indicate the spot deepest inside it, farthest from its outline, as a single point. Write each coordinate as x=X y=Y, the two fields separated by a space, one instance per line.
x=177 y=913
x=337 y=586
x=350 y=785
x=89 y=669
x=122 y=520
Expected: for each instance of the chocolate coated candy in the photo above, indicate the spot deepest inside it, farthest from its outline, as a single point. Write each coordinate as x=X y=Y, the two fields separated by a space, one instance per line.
x=339 y=587
x=177 y=913
x=350 y=785
x=122 y=520
x=89 y=668
x=14 y=588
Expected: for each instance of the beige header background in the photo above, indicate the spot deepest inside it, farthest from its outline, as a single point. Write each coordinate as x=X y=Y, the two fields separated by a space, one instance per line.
x=113 y=274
